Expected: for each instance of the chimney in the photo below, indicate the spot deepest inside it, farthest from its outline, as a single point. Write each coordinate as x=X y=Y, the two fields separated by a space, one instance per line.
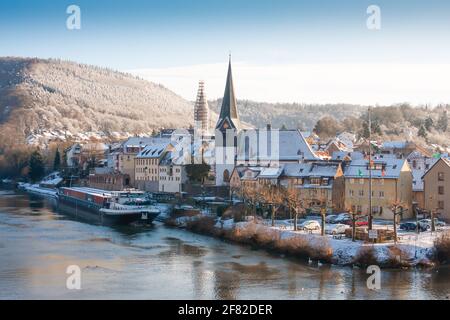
x=269 y=127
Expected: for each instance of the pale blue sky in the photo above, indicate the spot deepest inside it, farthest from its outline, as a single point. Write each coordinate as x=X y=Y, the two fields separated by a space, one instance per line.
x=131 y=34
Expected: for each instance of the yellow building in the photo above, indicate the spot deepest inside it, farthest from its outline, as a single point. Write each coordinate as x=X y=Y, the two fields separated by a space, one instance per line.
x=391 y=183
x=437 y=189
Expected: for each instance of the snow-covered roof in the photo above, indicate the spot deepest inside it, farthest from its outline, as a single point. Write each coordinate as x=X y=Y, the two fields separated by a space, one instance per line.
x=388 y=168
x=136 y=142
x=52 y=179
x=270 y=173
x=341 y=155
x=311 y=169
x=153 y=151
x=251 y=173
x=394 y=144
x=291 y=146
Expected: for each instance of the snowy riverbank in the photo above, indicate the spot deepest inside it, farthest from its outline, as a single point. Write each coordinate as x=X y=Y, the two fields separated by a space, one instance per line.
x=410 y=251
x=36 y=189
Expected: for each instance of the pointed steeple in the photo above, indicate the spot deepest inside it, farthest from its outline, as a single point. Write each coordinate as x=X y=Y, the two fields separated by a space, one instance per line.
x=228 y=112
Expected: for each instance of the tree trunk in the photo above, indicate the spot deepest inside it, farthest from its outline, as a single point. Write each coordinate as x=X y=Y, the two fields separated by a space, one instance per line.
x=353 y=229
x=395 y=227
x=323 y=225
x=433 y=227
x=295 y=221
x=273 y=216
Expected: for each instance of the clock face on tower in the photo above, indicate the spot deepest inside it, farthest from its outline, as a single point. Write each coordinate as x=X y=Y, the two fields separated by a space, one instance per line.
x=225 y=125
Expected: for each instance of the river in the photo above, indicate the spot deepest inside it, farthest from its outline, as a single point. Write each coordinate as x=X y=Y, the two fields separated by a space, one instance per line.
x=37 y=244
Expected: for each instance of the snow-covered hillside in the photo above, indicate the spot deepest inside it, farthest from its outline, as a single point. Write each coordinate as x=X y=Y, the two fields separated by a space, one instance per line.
x=52 y=95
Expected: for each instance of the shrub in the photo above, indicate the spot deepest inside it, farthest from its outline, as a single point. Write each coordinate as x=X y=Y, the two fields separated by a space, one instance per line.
x=397 y=258
x=442 y=246
x=366 y=256
x=203 y=225
x=302 y=247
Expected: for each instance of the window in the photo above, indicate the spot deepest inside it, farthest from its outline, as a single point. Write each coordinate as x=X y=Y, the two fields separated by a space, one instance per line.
x=441 y=205
x=359 y=209
x=361 y=181
x=351 y=193
x=440 y=176
x=441 y=190
x=381 y=194
x=381 y=181
x=352 y=181
x=375 y=209
x=361 y=193
x=315 y=181
x=414 y=164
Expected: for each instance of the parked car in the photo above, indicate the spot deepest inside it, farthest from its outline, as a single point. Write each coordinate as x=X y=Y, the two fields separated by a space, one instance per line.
x=342 y=217
x=425 y=224
x=331 y=218
x=362 y=222
x=336 y=229
x=409 y=226
x=310 y=225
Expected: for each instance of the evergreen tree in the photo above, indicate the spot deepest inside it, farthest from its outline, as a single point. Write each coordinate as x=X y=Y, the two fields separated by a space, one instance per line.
x=422 y=132
x=429 y=123
x=36 y=166
x=443 y=122
x=57 y=161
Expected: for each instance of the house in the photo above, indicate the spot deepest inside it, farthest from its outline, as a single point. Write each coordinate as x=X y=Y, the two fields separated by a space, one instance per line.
x=401 y=149
x=124 y=157
x=172 y=171
x=318 y=183
x=108 y=179
x=336 y=145
x=147 y=166
x=73 y=156
x=270 y=175
x=391 y=183
x=243 y=179
x=420 y=163
x=437 y=188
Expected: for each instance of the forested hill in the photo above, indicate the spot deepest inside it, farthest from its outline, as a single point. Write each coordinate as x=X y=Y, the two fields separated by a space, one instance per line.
x=47 y=95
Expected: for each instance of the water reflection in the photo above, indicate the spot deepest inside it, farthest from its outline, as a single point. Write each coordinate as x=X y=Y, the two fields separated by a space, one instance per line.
x=154 y=262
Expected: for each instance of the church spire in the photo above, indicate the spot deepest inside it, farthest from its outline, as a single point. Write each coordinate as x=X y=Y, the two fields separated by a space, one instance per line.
x=228 y=111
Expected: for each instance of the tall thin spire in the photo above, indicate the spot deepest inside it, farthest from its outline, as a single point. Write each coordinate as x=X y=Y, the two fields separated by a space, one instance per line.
x=229 y=104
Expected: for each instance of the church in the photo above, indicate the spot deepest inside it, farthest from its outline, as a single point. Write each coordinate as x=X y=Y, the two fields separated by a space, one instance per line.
x=227 y=129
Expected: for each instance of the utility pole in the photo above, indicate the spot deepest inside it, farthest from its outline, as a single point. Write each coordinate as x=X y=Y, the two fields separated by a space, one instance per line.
x=370 y=169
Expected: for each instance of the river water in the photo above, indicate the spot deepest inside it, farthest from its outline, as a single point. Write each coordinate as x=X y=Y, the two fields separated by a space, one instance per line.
x=37 y=244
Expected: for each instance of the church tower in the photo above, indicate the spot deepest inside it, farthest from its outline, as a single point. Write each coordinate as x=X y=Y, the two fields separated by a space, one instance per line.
x=227 y=129
x=201 y=110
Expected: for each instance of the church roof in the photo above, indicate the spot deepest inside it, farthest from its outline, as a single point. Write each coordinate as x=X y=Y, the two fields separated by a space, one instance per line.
x=229 y=104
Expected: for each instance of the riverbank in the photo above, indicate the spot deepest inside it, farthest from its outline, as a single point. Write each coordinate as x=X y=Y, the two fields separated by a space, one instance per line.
x=409 y=252
x=38 y=190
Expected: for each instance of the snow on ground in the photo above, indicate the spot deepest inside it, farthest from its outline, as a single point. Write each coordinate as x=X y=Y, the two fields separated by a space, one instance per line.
x=415 y=248
x=35 y=188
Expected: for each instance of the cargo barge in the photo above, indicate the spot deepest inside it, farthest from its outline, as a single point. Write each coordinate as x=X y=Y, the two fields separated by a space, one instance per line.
x=117 y=207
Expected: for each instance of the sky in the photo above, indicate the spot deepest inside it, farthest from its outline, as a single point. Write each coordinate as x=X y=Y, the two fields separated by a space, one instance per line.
x=283 y=50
